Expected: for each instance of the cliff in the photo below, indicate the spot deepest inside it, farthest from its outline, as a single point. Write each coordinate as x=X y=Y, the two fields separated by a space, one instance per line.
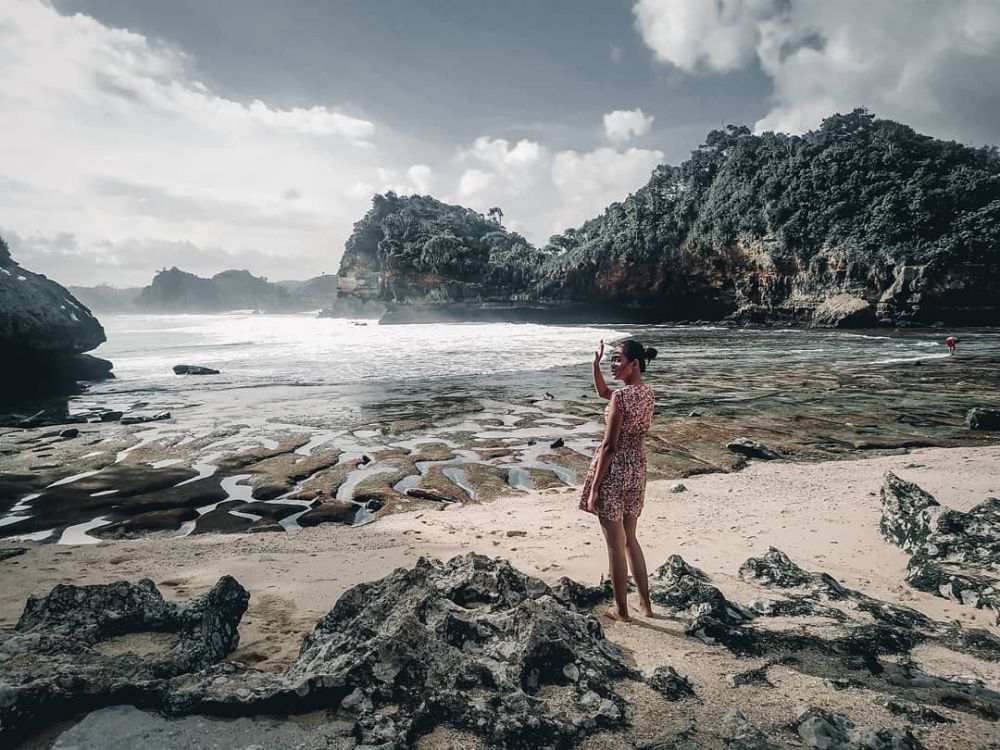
x=43 y=331
x=860 y=222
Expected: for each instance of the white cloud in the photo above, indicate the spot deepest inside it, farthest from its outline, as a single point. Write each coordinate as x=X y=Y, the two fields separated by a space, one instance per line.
x=624 y=124
x=109 y=136
x=542 y=192
x=932 y=65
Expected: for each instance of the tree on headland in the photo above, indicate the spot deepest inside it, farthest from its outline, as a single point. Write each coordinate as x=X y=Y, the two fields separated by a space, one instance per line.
x=4 y=252
x=495 y=214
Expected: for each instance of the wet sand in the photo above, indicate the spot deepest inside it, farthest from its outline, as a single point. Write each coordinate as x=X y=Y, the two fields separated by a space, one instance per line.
x=824 y=515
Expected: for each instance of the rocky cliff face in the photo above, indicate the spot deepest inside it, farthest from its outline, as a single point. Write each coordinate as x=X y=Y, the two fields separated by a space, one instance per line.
x=43 y=330
x=861 y=222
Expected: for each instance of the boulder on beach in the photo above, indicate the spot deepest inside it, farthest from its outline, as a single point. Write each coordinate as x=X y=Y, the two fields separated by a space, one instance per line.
x=955 y=554
x=194 y=370
x=983 y=419
x=752 y=449
x=43 y=330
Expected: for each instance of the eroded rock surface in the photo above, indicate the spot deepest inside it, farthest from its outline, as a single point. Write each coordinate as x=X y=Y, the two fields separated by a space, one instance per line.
x=955 y=555
x=75 y=648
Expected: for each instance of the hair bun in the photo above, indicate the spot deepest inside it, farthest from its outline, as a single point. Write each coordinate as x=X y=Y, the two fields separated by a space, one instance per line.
x=650 y=353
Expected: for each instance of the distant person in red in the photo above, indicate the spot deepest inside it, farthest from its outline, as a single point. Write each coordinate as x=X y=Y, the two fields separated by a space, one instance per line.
x=950 y=343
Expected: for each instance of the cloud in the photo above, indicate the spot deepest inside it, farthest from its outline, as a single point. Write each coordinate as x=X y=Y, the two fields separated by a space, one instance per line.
x=927 y=63
x=544 y=192
x=623 y=125
x=71 y=261
x=110 y=136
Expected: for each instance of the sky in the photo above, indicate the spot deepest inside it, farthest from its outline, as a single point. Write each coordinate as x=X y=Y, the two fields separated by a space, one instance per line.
x=141 y=134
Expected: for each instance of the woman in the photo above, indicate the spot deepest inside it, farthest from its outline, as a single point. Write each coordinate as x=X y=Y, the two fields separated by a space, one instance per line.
x=616 y=481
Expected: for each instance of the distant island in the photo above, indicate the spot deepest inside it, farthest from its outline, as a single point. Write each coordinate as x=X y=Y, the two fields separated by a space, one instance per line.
x=175 y=291
x=862 y=222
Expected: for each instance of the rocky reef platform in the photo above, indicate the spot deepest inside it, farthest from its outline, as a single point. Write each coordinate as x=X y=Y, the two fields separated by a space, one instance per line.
x=130 y=468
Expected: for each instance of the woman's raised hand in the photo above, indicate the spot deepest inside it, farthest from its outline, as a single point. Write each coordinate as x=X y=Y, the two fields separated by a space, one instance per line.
x=599 y=352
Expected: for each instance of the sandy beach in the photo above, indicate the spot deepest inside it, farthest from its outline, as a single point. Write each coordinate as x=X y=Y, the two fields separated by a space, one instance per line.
x=823 y=515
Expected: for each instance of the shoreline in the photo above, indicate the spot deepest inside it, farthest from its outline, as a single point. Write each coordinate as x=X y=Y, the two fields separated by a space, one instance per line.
x=824 y=515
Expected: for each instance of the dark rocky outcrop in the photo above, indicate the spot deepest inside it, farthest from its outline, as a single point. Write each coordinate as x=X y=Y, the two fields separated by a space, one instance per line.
x=861 y=222
x=983 y=419
x=194 y=370
x=824 y=730
x=670 y=685
x=43 y=331
x=751 y=449
x=470 y=644
x=62 y=657
x=955 y=555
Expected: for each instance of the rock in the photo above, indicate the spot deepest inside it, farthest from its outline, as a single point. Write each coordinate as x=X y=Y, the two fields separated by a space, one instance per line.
x=69 y=433
x=194 y=370
x=557 y=443
x=156 y=520
x=954 y=555
x=694 y=414
x=8 y=552
x=89 y=367
x=844 y=311
x=268 y=491
x=670 y=685
x=774 y=569
x=678 y=487
x=915 y=712
x=751 y=449
x=127 y=728
x=908 y=513
x=983 y=419
x=419 y=643
x=433 y=495
x=365 y=460
x=42 y=330
x=750 y=677
x=828 y=731
x=513 y=533
x=110 y=416
x=269 y=510
x=580 y=596
x=676 y=568
x=143 y=418
x=55 y=664
x=220 y=521
x=332 y=511
x=740 y=734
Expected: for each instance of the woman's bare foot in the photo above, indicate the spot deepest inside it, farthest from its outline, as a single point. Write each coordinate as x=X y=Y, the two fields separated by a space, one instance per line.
x=646 y=609
x=614 y=614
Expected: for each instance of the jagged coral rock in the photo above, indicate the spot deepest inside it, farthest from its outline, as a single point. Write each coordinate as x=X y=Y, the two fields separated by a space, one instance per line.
x=955 y=555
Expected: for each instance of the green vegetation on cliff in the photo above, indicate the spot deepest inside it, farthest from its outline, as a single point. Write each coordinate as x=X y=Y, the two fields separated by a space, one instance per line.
x=766 y=226
x=418 y=238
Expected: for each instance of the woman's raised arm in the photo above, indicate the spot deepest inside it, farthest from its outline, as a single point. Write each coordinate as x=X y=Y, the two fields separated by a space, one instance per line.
x=602 y=388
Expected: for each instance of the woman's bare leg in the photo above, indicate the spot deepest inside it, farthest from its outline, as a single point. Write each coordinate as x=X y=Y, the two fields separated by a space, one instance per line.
x=614 y=537
x=637 y=562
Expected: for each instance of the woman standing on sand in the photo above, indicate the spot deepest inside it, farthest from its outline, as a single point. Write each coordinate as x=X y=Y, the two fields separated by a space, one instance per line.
x=616 y=481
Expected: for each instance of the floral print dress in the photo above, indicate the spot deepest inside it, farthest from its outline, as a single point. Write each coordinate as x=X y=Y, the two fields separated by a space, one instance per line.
x=624 y=486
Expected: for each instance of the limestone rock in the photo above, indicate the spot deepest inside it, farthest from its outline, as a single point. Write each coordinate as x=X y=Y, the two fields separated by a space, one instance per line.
x=194 y=370
x=955 y=555
x=58 y=661
x=752 y=449
x=983 y=419
x=670 y=685
x=828 y=731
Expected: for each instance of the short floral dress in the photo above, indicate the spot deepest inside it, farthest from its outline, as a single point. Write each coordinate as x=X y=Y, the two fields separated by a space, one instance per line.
x=624 y=486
